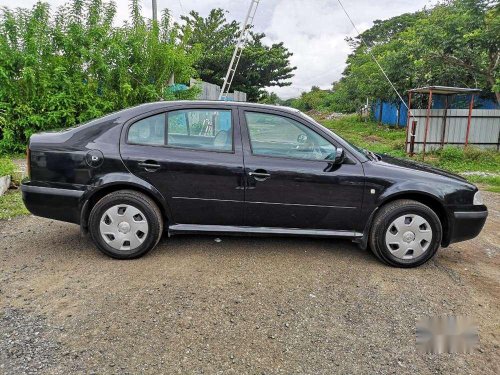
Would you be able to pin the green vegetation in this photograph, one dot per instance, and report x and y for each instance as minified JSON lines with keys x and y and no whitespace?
{"x":369,"y":135}
{"x":7,"y":167}
{"x":390,"y":140}
{"x":259,"y":65}
{"x":455,"y":43}
{"x":63,"y":67}
{"x":59,"y":69}
{"x":11,"y":205}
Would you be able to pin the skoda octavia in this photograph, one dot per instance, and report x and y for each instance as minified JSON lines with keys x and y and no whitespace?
{"x":241,"y":168}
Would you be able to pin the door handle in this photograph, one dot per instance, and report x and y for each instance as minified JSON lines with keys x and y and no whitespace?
{"x":259,"y":175}
{"x":150,"y":165}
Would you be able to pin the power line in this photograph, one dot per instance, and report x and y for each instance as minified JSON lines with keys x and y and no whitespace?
{"x":182,"y":8}
{"x":374,"y":59}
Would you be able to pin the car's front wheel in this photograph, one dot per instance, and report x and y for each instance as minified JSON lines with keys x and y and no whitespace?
{"x":125,"y":224}
{"x":405,"y":233}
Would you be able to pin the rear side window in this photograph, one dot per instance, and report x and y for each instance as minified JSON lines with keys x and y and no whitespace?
{"x":204,"y":129}
{"x":148,"y":131}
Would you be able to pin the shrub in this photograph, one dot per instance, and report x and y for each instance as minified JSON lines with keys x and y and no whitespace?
{"x":63,"y":67}
{"x":6,"y":167}
{"x":451,"y":154}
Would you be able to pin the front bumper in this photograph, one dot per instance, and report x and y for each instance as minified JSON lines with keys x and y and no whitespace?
{"x":53,"y":203}
{"x":467,"y":224}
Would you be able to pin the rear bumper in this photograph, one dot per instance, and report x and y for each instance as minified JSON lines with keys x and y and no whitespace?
{"x":52,"y":203}
{"x":467,"y":225}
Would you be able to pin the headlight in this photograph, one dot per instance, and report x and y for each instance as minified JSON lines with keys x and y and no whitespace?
{"x":478,"y":199}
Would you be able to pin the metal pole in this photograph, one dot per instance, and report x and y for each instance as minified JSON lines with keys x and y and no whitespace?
{"x":412,"y":137}
{"x":408,"y":115}
{"x":427,"y":120}
{"x":471,"y":104}
{"x":155,"y":10}
{"x":443,"y":134}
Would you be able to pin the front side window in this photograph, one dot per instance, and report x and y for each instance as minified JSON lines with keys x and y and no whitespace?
{"x":273,"y":135}
{"x":205,"y":129}
{"x":148,"y":131}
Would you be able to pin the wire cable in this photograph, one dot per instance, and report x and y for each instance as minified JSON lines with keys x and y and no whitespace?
{"x":182,"y":8}
{"x":374,"y":59}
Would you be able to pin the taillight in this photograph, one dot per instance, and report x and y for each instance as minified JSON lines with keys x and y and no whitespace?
{"x":28,"y":161}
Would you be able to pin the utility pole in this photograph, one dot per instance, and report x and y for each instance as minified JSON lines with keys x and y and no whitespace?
{"x":238,"y":49}
{"x":155,"y":10}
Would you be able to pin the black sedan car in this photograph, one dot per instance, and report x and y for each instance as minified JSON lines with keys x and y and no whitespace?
{"x":241,"y":168}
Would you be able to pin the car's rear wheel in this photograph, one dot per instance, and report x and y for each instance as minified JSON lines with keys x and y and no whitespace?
{"x":125,"y":224}
{"x":405,"y":233}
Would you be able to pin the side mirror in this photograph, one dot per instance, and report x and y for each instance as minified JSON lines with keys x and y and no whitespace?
{"x":339,"y":156}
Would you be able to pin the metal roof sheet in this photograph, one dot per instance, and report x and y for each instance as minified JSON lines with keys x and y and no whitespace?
{"x":446,"y":90}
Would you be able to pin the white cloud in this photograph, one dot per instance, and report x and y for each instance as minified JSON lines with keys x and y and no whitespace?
{"x":314,"y":30}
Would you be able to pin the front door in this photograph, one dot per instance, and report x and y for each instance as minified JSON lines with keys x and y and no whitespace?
{"x":193,"y":156}
{"x":292,"y":181}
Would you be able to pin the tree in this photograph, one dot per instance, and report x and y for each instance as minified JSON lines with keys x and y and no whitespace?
{"x":267,"y":97}
{"x":260,"y":65}
{"x":456,"y":43}
{"x":61,"y":68}
{"x":460,"y":44}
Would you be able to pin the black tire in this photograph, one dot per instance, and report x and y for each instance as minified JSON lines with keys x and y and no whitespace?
{"x":139,"y":201}
{"x":390,"y":212}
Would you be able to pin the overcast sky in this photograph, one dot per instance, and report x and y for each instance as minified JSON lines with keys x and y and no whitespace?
{"x":314,"y":30}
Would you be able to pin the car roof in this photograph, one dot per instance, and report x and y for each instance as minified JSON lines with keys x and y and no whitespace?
{"x":163,"y":104}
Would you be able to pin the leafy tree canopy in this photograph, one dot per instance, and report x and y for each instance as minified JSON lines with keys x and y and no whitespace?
{"x":61,"y":68}
{"x":456,"y":43}
{"x":260,"y":65}
{"x":65,"y":66}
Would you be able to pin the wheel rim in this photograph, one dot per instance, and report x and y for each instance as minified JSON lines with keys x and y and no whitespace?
{"x":124,"y":227}
{"x":408,"y":237}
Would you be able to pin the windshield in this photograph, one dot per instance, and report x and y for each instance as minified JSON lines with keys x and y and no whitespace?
{"x":361,"y":153}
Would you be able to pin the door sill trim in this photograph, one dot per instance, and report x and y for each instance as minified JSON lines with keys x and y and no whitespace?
{"x":265,"y":231}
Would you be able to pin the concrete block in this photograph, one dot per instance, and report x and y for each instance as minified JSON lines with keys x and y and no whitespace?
{"x":4,"y":184}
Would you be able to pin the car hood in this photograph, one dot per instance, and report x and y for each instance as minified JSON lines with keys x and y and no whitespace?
{"x":410,"y":164}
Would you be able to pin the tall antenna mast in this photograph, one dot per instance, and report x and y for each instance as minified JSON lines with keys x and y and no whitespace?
{"x":238,"y":49}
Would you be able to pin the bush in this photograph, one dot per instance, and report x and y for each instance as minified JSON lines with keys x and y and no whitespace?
{"x":64,"y":67}
{"x":459,"y":159}
{"x":7,"y":167}
{"x":451,"y":154}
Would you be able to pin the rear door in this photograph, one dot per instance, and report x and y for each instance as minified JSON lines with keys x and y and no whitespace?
{"x":193,"y":156}
{"x":292,"y":181}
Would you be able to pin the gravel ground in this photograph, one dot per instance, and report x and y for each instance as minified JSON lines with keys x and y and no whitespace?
{"x":242,"y":305}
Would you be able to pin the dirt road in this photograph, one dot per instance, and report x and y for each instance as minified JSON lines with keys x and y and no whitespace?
{"x":243,"y":305}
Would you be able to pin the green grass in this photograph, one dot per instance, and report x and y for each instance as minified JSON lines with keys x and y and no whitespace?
{"x":369,"y":135}
{"x":11,"y":205}
{"x":7,"y":167}
{"x":493,"y":188}
{"x":391,"y":140}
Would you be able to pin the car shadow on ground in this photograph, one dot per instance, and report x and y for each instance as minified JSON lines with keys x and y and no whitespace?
{"x":62,"y":239}
{"x":263,"y":245}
